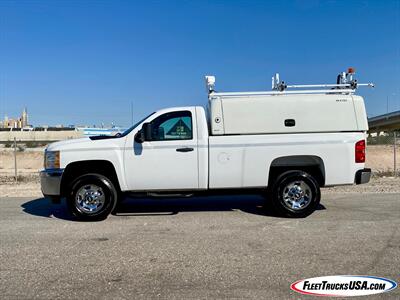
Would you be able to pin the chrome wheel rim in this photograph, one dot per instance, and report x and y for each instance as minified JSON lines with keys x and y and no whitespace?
{"x":297,"y":195}
{"x":90,"y":198}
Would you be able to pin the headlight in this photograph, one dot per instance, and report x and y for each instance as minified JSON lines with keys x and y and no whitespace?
{"x":52,"y":159}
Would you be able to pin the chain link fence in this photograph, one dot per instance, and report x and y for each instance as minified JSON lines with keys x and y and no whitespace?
{"x":20,"y":160}
{"x":383,"y":153}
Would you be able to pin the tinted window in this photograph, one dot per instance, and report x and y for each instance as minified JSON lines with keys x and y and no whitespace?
{"x":175,"y":125}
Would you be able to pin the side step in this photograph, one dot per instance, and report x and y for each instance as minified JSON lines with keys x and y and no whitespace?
{"x":159,"y":195}
{"x":169,"y":195}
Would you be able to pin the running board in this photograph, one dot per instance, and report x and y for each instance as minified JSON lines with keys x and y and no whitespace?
{"x":169,"y":195}
{"x":159,"y":194}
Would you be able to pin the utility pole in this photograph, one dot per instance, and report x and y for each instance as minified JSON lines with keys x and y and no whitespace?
{"x":394,"y":154}
{"x":15,"y":160}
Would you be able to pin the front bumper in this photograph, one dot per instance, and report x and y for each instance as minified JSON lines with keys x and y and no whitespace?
{"x":50,"y":181}
{"x":363,"y":176}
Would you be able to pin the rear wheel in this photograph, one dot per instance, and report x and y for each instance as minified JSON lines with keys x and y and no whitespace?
{"x":92,"y":197}
{"x":295,"y":194}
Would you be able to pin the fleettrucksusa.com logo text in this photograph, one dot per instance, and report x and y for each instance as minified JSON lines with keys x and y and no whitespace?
{"x":343,"y":285}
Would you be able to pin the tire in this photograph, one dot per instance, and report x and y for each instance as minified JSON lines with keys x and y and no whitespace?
{"x":92,"y":197}
{"x":295,"y":194}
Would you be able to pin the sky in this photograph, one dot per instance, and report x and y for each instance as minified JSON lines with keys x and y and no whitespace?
{"x":89,"y":62}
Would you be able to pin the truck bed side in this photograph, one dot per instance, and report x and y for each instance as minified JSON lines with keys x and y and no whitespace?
{"x":242,"y":161}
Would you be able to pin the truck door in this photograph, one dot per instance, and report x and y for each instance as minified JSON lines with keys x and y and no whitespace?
{"x":169,"y":160}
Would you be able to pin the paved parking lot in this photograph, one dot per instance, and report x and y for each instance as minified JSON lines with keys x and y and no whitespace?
{"x":224,"y":247}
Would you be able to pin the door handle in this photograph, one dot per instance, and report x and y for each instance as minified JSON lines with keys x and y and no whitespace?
{"x":184,"y":149}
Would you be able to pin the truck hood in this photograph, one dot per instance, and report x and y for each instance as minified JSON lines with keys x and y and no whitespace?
{"x":68,"y":144}
{"x":87,"y":144}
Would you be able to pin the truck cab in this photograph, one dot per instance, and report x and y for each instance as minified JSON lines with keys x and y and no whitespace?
{"x":168,"y":152}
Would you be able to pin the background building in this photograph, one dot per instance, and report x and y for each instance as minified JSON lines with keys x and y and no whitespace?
{"x":21,"y":122}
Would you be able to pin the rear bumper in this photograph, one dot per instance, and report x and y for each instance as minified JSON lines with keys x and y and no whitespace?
{"x":50,"y":181}
{"x":363,"y":176}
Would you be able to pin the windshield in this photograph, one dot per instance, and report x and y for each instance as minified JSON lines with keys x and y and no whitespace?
{"x":126,"y":132}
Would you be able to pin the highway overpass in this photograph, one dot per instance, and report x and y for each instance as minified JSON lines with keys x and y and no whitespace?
{"x":384,"y":123}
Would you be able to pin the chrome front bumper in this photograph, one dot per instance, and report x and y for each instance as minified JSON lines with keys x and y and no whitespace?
{"x":50,"y":181}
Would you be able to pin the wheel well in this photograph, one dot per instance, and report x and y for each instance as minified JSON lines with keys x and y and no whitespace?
{"x":307,"y":163}
{"x":76,"y":169}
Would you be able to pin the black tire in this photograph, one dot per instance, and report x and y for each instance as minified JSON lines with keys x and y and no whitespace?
{"x":102,"y":195}
{"x":298,"y":204}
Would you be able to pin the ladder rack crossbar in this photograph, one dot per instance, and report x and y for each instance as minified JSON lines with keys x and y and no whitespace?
{"x":341,"y":85}
{"x":243,"y":94}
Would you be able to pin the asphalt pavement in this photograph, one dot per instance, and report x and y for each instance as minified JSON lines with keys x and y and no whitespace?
{"x":210,"y":247}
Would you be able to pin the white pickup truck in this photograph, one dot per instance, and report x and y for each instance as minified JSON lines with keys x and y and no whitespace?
{"x":284,"y":144}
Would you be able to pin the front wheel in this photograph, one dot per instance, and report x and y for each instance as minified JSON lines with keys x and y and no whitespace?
{"x":92,"y":197}
{"x":295,"y":194}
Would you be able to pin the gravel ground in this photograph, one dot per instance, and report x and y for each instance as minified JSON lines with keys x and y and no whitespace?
{"x":376,"y":185}
{"x":27,"y":186}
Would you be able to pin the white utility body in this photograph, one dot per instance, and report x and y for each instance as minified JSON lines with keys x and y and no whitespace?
{"x":283,"y":143}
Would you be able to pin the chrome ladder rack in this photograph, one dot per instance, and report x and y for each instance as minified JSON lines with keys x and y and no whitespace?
{"x":345,"y":84}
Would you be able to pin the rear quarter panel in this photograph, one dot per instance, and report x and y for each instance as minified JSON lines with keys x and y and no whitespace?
{"x":244,"y":160}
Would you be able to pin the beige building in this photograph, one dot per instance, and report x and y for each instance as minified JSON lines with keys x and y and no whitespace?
{"x":21,"y":122}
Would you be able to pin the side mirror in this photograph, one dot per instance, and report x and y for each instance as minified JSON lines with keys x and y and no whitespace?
{"x":144,"y":134}
{"x":147,"y":131}
{"x":139,"y":137}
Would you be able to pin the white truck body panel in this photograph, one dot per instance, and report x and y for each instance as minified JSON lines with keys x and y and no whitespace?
{"x":360,"y":113}
{"x":202,"y":145}
{"x":85,"y":149}
{"x":263,"y":114}
{"x":156,"y":165}
{"x":244,"y":161}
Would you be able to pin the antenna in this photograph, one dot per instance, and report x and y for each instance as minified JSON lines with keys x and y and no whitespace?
{"x":132,"y":112}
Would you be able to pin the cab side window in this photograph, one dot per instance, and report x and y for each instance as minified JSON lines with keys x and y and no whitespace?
{"x":175,"y":125}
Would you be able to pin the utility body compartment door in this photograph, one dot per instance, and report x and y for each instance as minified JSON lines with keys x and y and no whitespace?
{"x":170,"y":160}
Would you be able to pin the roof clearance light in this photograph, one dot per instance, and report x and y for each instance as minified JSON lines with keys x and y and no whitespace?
{"x":351,"y":70}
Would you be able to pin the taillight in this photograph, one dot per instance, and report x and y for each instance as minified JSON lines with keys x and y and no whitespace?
{"x":360,"y":151}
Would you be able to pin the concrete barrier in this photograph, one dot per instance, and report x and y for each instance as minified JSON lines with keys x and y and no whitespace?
{"x":38,"y":136}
